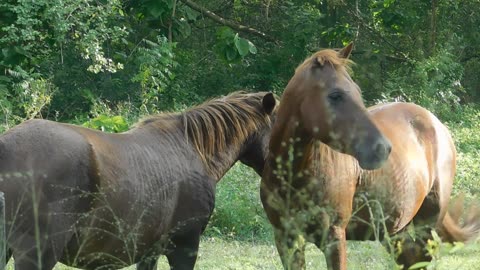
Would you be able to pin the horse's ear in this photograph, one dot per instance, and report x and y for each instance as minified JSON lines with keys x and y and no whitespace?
{"x":268,"y":103}
{"x":345,"y":52}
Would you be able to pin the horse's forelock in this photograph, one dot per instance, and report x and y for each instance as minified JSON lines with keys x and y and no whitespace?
{"x":327,"y":57}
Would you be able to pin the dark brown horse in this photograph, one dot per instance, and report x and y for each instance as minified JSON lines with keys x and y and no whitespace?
{"x":95,"y":200}
{"x":315,"y":178}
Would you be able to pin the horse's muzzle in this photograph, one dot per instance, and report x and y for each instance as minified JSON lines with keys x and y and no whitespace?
{"x":373,"y":156}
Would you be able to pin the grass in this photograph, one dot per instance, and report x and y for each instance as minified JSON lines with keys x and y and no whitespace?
{"x":231,"y":254}
{"x":220,"y":254}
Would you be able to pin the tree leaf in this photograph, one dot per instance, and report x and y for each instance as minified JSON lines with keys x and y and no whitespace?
{"x":242,"y":46}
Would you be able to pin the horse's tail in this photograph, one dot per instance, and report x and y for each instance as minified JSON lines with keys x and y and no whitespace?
{"x":452,"y":230}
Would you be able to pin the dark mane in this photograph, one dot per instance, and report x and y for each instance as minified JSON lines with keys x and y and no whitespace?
{"x":215,"y":124}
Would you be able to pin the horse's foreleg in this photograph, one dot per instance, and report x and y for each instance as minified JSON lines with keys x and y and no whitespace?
{"x":149,"y":263}
{"x":291,"y":248}
{"x":336,"y":249}
{"x":412,"y":250}
{"x":184,"y":249}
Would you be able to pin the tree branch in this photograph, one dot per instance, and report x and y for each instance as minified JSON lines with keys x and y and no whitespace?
{"x":220,"y":20}
{"x":170,"y":24}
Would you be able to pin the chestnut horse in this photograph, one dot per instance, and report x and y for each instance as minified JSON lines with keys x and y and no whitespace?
{"x":329,"y":156}
{"x":95,"y":200}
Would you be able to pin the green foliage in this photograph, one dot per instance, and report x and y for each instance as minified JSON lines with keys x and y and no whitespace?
{"x":27,"y":100}
{"x":434,"y":83}
{"x":105,"y":123}
{"x":154,"y":62}
{"x":437,"y":249}
{"x":34,"y":95}
{"x":230,"y":47}
{"x":163,"y":55}
{"x":90,"y":50}
{"x":419,"y":265}
{"x":464,"y":123}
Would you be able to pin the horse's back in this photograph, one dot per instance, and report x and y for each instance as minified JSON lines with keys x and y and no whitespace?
{"x":422,"y":161}
{"x":408,"y":123}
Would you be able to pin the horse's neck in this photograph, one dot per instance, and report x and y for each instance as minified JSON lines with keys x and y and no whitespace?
{"x":291,"y":147}
{"x":221,"y":162}
{"x":302,"y":154}
{"x":216,"y":165}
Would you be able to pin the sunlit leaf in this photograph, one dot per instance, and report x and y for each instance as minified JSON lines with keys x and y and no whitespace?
{"x":242,"y":46}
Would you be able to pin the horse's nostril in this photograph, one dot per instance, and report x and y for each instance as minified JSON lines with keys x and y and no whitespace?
{"x":389,"y":148}
{"x":382,"y":148}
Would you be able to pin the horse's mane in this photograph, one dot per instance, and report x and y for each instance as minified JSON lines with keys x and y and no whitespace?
{"x":324,"y":57}
{"x":214,"y":126}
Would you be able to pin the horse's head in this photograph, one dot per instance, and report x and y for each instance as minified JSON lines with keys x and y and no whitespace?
{"x":330,"y":108}
{"x":255,"y":148}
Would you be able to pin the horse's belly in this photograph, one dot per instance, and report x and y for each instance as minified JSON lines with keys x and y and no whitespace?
{"x":398,"y":194}
{"x":104,"y":239}
{"x":119,"y":233}
{"x":105,"y":253}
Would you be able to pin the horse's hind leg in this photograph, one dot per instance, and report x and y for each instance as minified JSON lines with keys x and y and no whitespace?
{"x":413,"y":250}
{"x":184,"y":249}
{"x":430,"y":215}
{"x":39,"y":243}
{"x":43,"y":252}
{"x":28,"y":255}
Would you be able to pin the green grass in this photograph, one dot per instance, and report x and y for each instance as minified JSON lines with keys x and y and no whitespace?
{"x":220,"y":254}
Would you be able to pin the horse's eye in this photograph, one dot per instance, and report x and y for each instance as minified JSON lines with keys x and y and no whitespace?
{"x":335,"y":97}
